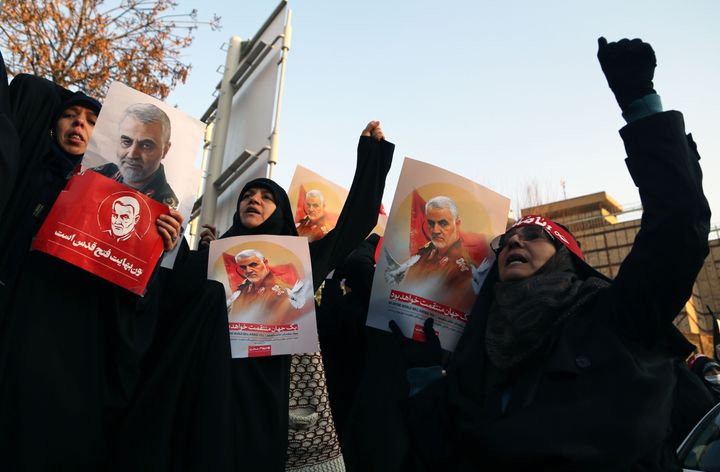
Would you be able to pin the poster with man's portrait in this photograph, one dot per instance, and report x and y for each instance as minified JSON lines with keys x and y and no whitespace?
{"x":147,"y":145}
{"x":104,"y":228}
{"x":435,"y":254}
{"x":269,"y":294}
{"x":317,"y":203}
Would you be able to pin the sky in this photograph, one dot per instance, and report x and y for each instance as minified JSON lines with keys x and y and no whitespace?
{"x":508,"y":94}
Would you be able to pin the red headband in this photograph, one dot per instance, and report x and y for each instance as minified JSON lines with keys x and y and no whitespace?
{"x":555,"y":230}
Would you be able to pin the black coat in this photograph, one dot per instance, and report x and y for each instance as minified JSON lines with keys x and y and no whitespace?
{"x":9,"y":142}
{"x":33,"y":174}
{"x":341,"y":317}
{"x":600,"y":394}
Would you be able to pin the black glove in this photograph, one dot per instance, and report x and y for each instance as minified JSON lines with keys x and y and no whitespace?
{"x":629,"y":67}
{"x":418,"y":354}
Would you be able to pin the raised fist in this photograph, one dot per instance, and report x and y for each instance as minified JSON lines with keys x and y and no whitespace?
{"x":629,"y":67}
{"x":373,"y":129}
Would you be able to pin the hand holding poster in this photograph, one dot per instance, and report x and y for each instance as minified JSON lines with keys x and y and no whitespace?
{"x":105,"y":228}
{"x":268,"y":288}
{"x":435,"y":252}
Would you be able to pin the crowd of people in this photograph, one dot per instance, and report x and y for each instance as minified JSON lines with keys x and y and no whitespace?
{"x":559,"y":367}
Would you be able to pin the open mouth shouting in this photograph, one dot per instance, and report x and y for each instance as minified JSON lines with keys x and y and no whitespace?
{"x":74,"y":138}
{"x":515,"y":259}
{"x":253,"y":210}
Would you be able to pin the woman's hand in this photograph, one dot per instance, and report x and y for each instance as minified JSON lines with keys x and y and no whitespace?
{"x":419,"y":354}
{"x":208,"y":235}
{"x":373,"y":129}
{"x":169,"y":227}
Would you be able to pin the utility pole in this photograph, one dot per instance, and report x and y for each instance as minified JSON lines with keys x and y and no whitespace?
{"x":220,"y":131}
{"x":274,"y":137}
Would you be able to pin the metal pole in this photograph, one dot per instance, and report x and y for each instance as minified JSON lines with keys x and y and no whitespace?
{"x":220,"y":131}
{"x":274,"y":137}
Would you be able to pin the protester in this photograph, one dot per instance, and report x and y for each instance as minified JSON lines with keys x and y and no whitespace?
{"x":560,"y":368}
{"x":45,"y":167}
{"x":77,"y":351}
{"x":47,"y":164}
{"x":708,"y":371}
{"x":265,"y":387}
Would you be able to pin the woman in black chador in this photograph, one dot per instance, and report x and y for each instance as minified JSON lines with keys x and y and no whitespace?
{"x":262,"y":385}
{"x":93,"y":377}
{"x":560,"y":368}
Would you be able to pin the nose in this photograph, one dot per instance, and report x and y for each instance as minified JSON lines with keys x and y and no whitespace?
{"x":514,"y":240}
{"x":79,"y":121}
{"x":134,"y":151}
{"x":255,"y":197}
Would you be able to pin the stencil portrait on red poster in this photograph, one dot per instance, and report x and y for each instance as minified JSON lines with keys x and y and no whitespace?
{"x":105,"y":228}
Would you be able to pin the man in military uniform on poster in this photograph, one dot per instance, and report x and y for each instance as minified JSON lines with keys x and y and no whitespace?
{"x":444,"y":259}
{"x":144,"y":140}
{"x":316,"y":223}
{"x":261,"y":291}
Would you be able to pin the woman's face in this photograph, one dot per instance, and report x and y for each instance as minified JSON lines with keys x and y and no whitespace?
{"x":74,"y":128}
{"x":526,"y":250}
{"x":256,"y":206}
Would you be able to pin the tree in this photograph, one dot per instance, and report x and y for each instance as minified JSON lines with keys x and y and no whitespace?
{"x":89,"y":43}
{"x":533,"y":194}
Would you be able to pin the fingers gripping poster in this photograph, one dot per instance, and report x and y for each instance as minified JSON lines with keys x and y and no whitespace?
{"x":269,"y":294}
{"x":435,"y":253}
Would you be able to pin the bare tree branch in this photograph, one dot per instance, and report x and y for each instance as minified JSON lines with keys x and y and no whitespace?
{"x":90,"y":43}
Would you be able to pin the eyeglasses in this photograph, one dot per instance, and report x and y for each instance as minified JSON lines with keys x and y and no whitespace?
{"x":524,"y":233}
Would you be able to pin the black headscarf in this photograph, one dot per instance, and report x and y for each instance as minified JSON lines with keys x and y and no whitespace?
{"x":279,"y":223}
{"x":47,"y":167}
{"x":524,"y":312}
{"x":77,"y":99}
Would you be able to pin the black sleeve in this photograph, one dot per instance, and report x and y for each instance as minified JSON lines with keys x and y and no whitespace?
{"x":30,"y":102}
{"x":9,"y":142}
{"x":359,"y":268}
{"x":360,"y":212}
{"x":656,"y":278}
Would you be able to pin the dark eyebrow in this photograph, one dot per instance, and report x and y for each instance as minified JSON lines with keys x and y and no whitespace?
{"x":148,"y":141}
{"x":122,"y":137}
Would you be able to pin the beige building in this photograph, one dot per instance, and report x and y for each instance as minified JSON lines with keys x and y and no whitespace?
{"x":606,"y":233}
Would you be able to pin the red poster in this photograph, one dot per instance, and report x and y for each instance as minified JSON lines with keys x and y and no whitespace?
{"x":105,"y":228}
